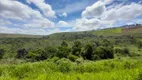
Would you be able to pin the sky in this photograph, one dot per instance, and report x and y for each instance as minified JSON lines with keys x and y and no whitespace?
{"x":44,"y":17}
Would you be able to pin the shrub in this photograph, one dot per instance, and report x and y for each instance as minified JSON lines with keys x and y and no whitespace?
{"x":64,"y":65}
{"x":126,"y":51}
{"x":64,"y":44}
{"x":50,"y":52}
{"x":104,"y":52}
{"x":88,"y":51}
{"x":21,"y":53}
{"x":1,"y":53}
{"x":76,"y":48}
{"x":72,"y":57}
{"x":63,"y":52}
{"x":140,"y":76}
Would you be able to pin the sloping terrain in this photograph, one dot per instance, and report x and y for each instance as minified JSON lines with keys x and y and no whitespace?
{"x":3,"y":35}
{"x":119,"y":31}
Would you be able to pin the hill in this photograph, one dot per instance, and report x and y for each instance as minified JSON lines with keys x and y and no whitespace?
{"x":4,"y":35}
{"x":134,"y":30}
{"x":118,"y":31}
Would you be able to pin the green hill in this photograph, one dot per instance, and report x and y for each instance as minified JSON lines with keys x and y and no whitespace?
{"x":3,"y":35}
{"x":120,"y":31}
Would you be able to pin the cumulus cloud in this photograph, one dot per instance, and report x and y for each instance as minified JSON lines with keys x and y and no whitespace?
{"x":107,"y":1}
{"x":62,"y":24}
{"x":45,"y":8}
{"x":97,"y":9}
{"x":100,"y":16}
{"x":32,"y":31}
{"x":16,"y":10}
{"x":125,"y":12}
{"x":44,"y":23}
{"x":24,"y":18}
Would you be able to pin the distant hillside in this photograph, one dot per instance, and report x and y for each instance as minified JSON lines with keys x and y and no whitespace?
{"x":134,"y":30}
{"x":2,"y":35}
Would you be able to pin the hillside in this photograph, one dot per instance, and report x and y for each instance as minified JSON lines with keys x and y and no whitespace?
{"x":119,"y":31}
{"x":3,"y":35}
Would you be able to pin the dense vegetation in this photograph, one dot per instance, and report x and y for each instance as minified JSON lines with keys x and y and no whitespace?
{"x":92,"y":55}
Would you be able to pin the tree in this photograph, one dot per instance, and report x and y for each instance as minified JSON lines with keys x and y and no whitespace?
{"x":21,"y":53}
{"x":76,"y":48}
{"x":88,"y":51}
{"x":63,"y":50}
{"x":104,"y":52}
{"x":1,"y":53}
{"x":50,"y":52}
{"x":64,"y":44}
{"x":37,"y":55}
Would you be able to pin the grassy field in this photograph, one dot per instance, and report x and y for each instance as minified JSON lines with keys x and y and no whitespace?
{"x":113,"y":69}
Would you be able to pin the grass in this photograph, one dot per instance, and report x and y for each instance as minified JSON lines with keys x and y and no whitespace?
{"x":108,"y":31}
{"x":115,"y":69}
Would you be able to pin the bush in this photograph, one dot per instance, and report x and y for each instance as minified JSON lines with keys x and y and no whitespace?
{"x":72,"y":57}
{"x":104,"y":52}
{"x":1,"y":53}
{"x":88,"y":52}
{"x":37,"y":55}
{"x":76,"y":48}
{"x":64,"y":65}
{"x":50,"y":52}
{"x":21,"y":53}
{"x":124,"y":51}
{"x":140,"y":76}
{"x":63,"y":52}
{"x":64,"y":44}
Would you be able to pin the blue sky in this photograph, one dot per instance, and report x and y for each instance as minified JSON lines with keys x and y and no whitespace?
{"x":43,"y":17}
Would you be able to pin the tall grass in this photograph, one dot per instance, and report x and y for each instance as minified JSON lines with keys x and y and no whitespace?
{"x":63,"y":69}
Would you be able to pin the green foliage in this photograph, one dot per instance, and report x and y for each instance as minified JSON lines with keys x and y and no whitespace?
{"x":37,"y":55}
{"x":123,"y":51}
{"x":21,"y":53}
{"x":104,"y":52}
{"x":2,"y":51}
{"x":88,"y":53}
{"x":63,"y":52}
{"x":72,"y":57}
{"x":76,"y":48}
{"x":50,"y":52}
{"x":64,"y":69}
{"x":64,"y":65}
{"x":139,"y":44}
{"x":140,"y":76}
{"x":64,"y":44}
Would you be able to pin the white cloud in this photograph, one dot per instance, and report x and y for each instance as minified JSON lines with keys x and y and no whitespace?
{"x":105,"y":18}
{"x":62,"y":24}
{"x":125,"y":12}
{"x":44,"y":23}
{"x":64,"y":14}
{"x":97,"y":9}
{"x":4,"y":22}
{"x":32,"y":31}
{"x":16,"y":10}
{"x":23,"y":14}
{"x":45,"y":8}
{"x":107,"y":1}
